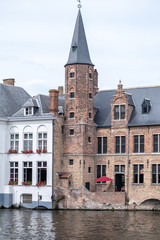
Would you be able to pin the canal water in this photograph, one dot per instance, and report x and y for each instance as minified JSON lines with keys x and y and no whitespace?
{"x":90,"y":225}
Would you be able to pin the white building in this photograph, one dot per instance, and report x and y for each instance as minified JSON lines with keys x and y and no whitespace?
{"x":26,"y":144}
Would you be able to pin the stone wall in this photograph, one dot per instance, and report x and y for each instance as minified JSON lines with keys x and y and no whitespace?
{"x":83,"y":199}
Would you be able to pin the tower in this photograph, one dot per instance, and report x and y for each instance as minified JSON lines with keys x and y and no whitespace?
{"x":81,"y":81}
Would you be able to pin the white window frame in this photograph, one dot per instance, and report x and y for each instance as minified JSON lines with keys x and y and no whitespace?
{"x":27,"y":139}
{"x":43,"y":139}
{"x":14,"y":140}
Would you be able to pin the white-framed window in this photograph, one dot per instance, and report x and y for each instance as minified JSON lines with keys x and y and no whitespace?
{"x":27,"y":172}
{"x":28,"y":111}
{"x":42,"y":172}
{"x":14,"y":171}
{"x":42,"y":140}
{"x":14,"y":141}
{"x":27,"y":141}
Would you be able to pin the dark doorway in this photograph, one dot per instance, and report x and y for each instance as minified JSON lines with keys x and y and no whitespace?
{"x":87,"y":185}
{"x":119,"y":182}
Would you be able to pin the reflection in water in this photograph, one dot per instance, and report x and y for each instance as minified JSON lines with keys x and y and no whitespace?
{"x":91,"y":225}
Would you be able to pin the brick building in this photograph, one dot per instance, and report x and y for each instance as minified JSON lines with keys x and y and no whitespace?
{"x":114,"y":133}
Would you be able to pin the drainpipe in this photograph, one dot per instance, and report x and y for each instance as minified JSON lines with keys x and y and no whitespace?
{"x":128,"y":162}
{"x":52,"y":197}
{"x":95,"y":143}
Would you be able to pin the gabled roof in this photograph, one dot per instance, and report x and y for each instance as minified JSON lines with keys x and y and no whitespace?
{"x":79,"y":53}
{"x":41,"y":102}
{"x":31,"y":103}
{"x":11,"y":99}
{"x":136,"y":96}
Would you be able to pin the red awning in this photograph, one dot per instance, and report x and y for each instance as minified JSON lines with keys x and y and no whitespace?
{"x":103,"y":179}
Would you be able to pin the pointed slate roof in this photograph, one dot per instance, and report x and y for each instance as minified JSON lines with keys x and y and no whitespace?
{"x":79,"y":53}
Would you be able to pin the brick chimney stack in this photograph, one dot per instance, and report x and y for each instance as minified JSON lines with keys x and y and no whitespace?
{"x":9,"y":81}
{"x":53,"y":101}
{"x":60,"y":90}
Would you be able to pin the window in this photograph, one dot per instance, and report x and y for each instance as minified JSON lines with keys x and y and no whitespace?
{"x":14,"y":171}
{"x":27,"y":171}
{"x":102,"y":145}
{"x":139,"y":144}
{"x":119,"y":112}
{"x":119,"y":168}
{"x":156,"y":143}
{"x":71,"y":132}
{"x":138,"y":173}
{"x":27,"y":198}
{"x":28,"y":141}
{"x":89,"y":139}
{"x":146,"y":106}
{"x":90,"y":75}
{"x":156,"y":173}
{"x":89,"y":169}
{"x":71,"y":115}
{"x":90,"y":115}
{"x":42,"y":171}
{"x":72,"y":75}
{"x":90,"y":95}
{"x":120,"y":144}
{"x":71,"y":94}
{"x":42,"y":141}
{"x":29,"y":111}
{"x":101,"y":171}
{"x":14,"y":141}
{"x":70,"y":161}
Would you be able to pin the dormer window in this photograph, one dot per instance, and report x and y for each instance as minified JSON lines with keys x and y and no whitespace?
{"x":146,"y":106}
{"x":28,"y":111}
{"x":119,"y":112}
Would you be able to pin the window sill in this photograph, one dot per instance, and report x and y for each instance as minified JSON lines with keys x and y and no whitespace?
{"x":138,"y":184}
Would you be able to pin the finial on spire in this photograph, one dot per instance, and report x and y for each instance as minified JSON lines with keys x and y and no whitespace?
{"x":120,"y":86}
{"x":79,"y":5}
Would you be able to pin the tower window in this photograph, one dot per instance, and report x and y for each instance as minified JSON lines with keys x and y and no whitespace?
{"x":71,"y":114}
{"x":71,"y":132}
{"x":72,"y":75}
{"x":90,"y":115}
{"x":70,"y":161}
{"x":90,"y":75}
{"x":71,"y":94}
{"x":89,"y":139}
{"x":90,"y":95}
{"x":89,"y":169}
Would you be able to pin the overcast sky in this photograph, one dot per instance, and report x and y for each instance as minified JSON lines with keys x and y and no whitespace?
{"x":123,"y":38}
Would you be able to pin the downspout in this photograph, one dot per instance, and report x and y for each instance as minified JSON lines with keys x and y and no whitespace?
{"x":95,"y":164}
{"x":128,"y":162}
{"x":53,"y":196}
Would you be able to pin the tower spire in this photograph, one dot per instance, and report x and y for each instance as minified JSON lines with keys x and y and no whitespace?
{"x":79,"y":53}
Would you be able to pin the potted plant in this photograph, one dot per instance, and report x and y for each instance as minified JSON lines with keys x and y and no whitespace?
{"x":12,"y":151}
{"x":27,"y":151}
{"x":12,"y":182}
{"x":41,"y":183}
{"x":27,"y":183}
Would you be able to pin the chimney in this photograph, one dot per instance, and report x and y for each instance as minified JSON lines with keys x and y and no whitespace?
{"x":53,"y":101}
{"x":9,"y":81}
{"x":60,"y":90}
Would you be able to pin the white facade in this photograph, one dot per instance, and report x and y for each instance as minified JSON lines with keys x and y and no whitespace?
{"x":17,"y":194}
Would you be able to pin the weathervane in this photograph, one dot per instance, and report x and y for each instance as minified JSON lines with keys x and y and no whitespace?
{"x":79,"y":5}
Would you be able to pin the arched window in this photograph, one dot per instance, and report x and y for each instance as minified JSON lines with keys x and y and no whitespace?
{"x":42,"y":138}
{"x":27,"y":138}
{"x":14,"y":139}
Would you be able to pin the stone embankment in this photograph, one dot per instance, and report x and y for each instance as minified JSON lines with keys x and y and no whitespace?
{"x":84,"y":199}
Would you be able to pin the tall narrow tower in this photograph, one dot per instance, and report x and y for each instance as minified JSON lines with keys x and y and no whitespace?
{"x":80,"y":85}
